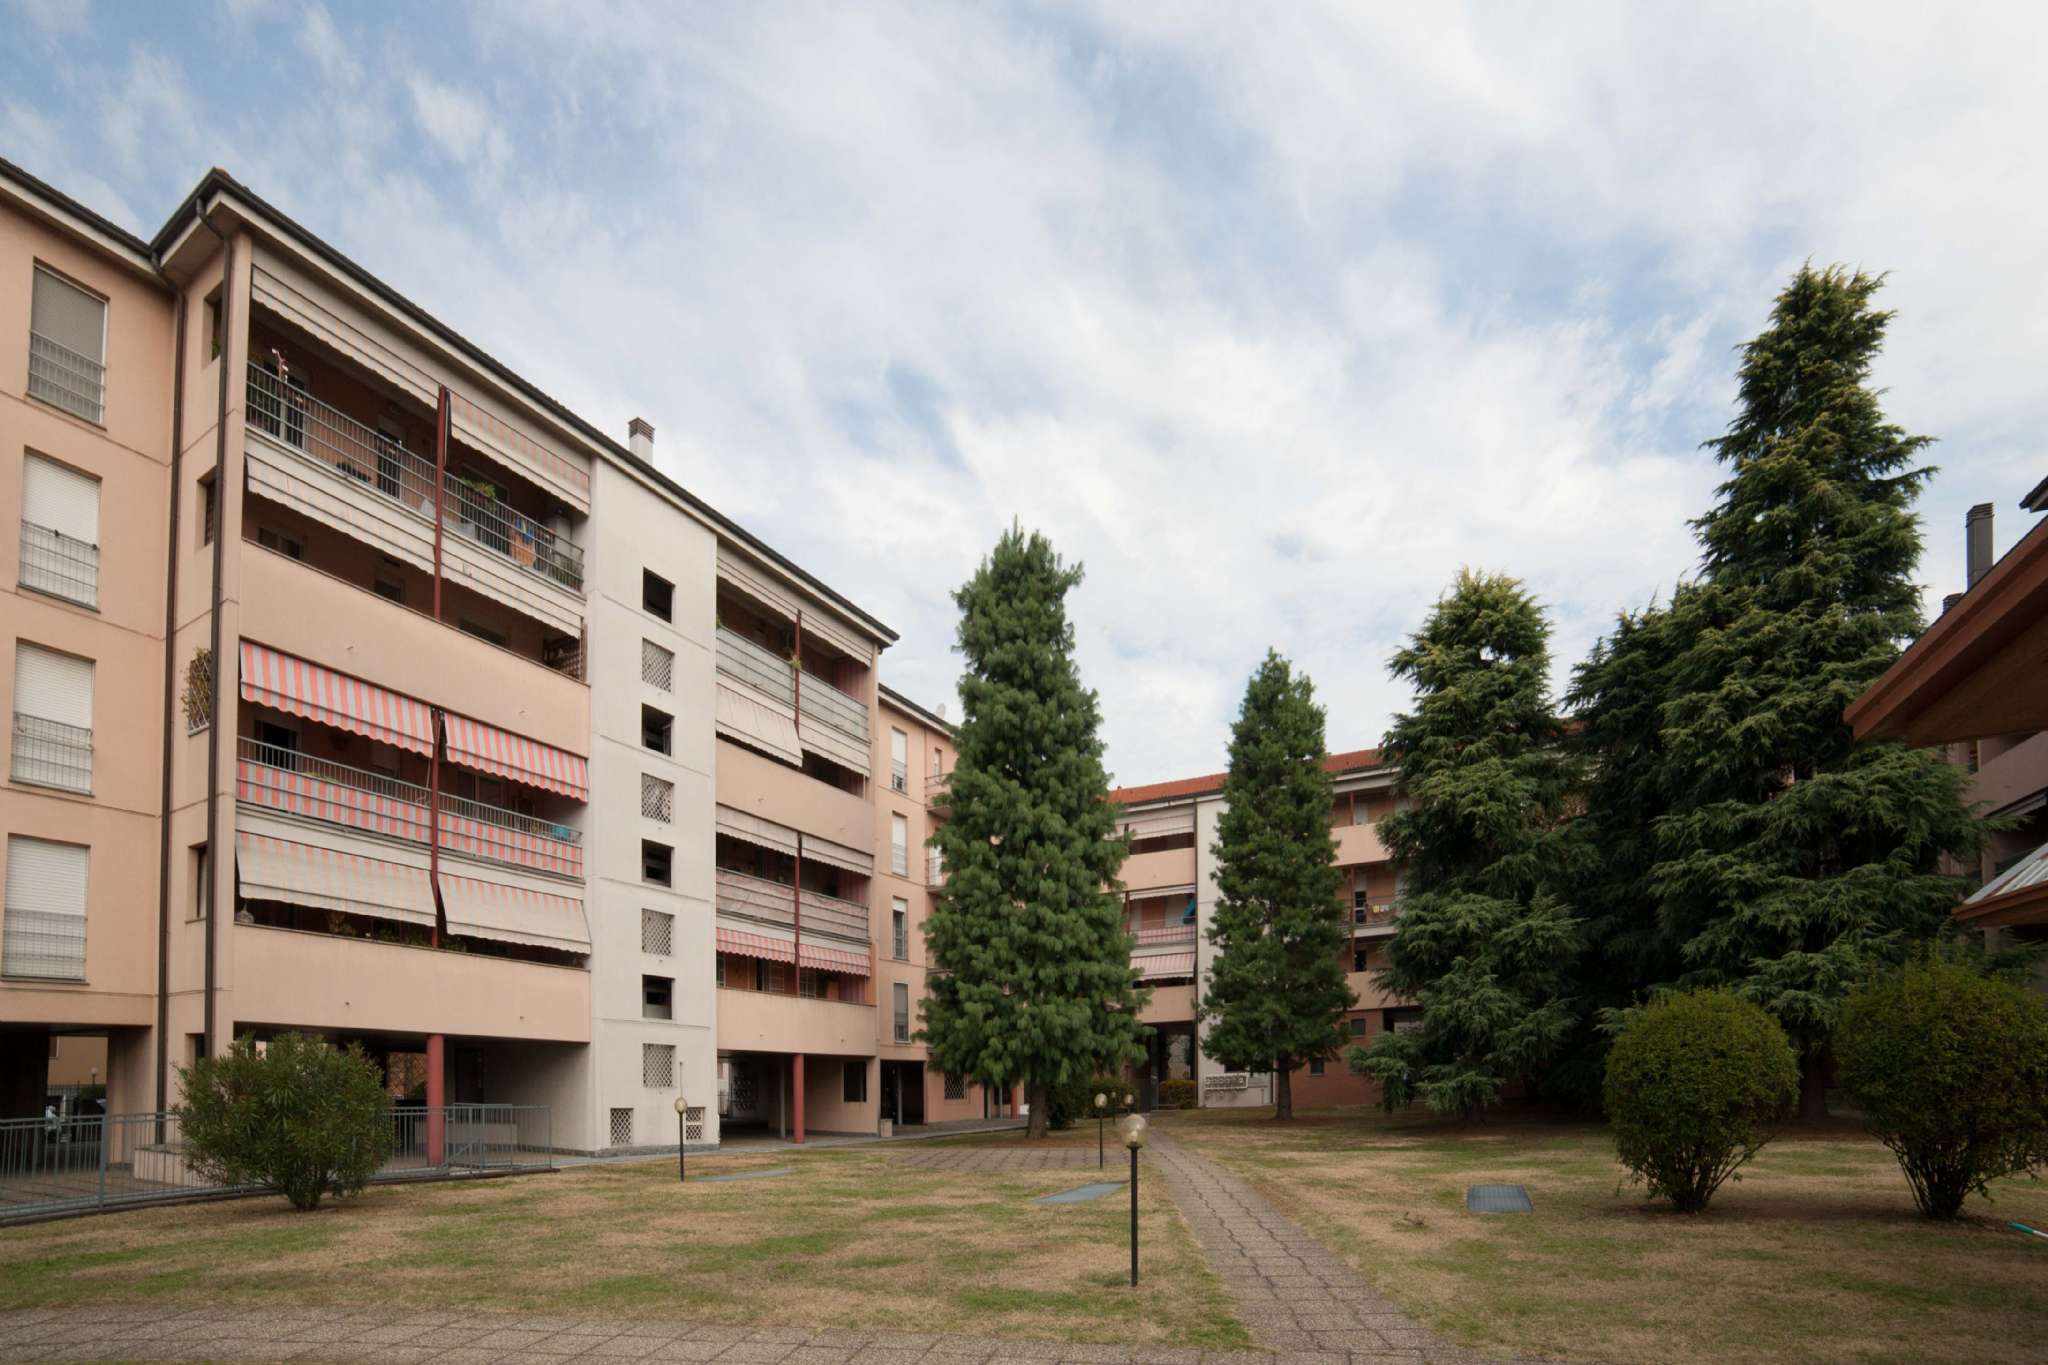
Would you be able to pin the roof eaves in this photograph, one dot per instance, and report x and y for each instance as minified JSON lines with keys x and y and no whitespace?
{"x":63,"y":205}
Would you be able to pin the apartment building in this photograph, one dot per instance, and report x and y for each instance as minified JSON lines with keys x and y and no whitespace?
{"x":1170,"y":900}
{"x":362,"y":689}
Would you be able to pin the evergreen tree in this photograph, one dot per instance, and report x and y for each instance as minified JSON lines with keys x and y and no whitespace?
{"x":1276,"y":995}
{"x":1484,"y":942}
{"x":1745,"y":839}
{"x":1037,"y":983}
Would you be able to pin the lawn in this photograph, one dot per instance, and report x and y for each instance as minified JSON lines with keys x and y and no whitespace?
{"x":1817,"y":1254}
{"x":857,"y":1238}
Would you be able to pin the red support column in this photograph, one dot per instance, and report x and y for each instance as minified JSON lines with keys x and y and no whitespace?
{"x":1016,"y":1099}
{"x":797,"y":1084}
{"x":437,"y":1097}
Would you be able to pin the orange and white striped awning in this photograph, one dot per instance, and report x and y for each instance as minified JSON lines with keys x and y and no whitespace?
{"x":514,"y":914}
{"x":1158,"y":966}
{"x":288,"y":683}
{"x":755,"y":945}
{"x":841,"y":960}
{"x":329,"y":879}
{"x":488,"y":749}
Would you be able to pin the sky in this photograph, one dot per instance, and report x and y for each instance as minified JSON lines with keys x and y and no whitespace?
{"x":1273,"y":317}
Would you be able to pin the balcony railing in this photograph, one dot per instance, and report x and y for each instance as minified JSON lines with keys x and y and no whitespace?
{"x":66,"y":379}
{"x":1374,"y":916}
{"x":322,"y":432}
{"x":57,"y":564}
{"x":820,"y":701}
{"x":299,"y":784}
{"x":50,"y":753}
{"x":1172,"y":933}
{"x":773,"y":902}
{"x":761,"y":669}
{"x":934,"y":867}
{"x":899,"y":776}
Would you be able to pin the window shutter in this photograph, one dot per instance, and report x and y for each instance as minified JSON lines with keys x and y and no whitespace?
{"x":59,"y":499}
{"x":44,"y":932}
{"x":899,"y":748}
{"x":69,"y":316}
{"x":52,"y":686}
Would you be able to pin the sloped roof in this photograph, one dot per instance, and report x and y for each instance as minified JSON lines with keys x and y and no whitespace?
{"x":1350,"y":761}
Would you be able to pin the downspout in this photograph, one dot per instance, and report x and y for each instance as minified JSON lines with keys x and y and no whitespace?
{"x":163,"y":883}
{"x":215,"y":854}
{"x":437,"y":1044}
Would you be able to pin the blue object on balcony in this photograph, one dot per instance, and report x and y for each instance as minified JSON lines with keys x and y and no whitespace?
{"x":1188,"y":917}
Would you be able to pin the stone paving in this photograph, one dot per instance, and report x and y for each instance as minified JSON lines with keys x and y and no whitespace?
{"x":1016,"y":1159}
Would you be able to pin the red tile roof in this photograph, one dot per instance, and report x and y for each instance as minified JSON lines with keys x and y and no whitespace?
{"x":1350,"y":761}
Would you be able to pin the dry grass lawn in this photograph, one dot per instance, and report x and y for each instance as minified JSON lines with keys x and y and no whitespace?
{"x":1817,"y":1255}
{"x":857,"y":1238}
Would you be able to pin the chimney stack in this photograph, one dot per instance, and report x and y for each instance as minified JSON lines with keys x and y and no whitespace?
{"x":1977,"y":541}
{"x":640,"y":436}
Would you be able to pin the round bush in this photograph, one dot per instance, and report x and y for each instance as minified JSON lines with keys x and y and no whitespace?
{"x":1950,"y":1069}
{"x":1179,"y":1095}
{"x":299,"y":1115}
{"x":1695,"y":1085}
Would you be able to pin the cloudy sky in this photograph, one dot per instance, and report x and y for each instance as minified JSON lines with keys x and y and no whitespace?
{"x":1274,"y":316}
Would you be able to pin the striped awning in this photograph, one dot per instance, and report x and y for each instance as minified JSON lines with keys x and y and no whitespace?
{"x":755,"y":945}
{"x":1159,"y":966}
{"x":514,"y":914}
{"x":838,"y":855}
{"x":271,"y":678}
{"x":328,"y":879}
{"x":738,"y":824}
{"x":834,"y":960}
{"x":488,"y":749}
{"x":1156,"y":824}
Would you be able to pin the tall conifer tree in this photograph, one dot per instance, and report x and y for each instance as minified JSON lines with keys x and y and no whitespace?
{"x":1276,"y":995}
{"x":1037,"y":985}
{"x":1744,"y":838}
{"x":1483,"y":939}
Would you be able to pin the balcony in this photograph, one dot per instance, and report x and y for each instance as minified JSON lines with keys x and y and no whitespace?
{"x":65,"y":379}
{"x":1359,"y":844}
{"x":379,"y":465}
{"x":762,"y":901}
{"x":937,"y":787}
{"x":1172,"y":933}
{"x":49,"y":753}
{"x":934,"y":868}
{"x":284,"y":780}
{"x":1379,"y":916}
{"x":59,"y":565}
{"x":767,"y":1021}
{"x":1166,"y":868}
{"x":820,"y":702}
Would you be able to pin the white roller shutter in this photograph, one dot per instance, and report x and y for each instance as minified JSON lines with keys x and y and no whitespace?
{"x":52,"y":686}
{"x":63,"y":500}
{"x":69,"y":316}
{"x":44,"y":932}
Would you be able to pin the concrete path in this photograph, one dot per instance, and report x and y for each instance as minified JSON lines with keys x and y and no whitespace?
{"x":1017,"y":1159}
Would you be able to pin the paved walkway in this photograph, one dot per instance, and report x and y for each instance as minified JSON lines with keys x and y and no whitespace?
{"x":1016,"y":1159}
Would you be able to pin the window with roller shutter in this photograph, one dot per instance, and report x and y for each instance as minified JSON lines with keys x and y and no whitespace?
{"x":42,"y":935}
{"x":60,"y":531}
{"x":52,"y":731}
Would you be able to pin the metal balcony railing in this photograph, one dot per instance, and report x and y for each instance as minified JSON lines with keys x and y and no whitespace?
{"x":759,"y":668}
{"x":57,"y":564}
{"x":66,"y":379}
{"x":1172,"y":933}
{"x":820,"y":701}
{"x":1375,"y":915}
{"x":289,"y":414}
{"x":50,"y":753}
{"x":772,"y":902}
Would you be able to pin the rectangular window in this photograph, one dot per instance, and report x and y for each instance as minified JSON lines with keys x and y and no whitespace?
{"x":657,"y":666}
{"x":1360,"y":957}
{"x":1315,"y":1067}
{"x":195,"y":902}
{"x":390,"y":589}
{"x":809,"y":985}
{"x":899,"y":845}
{"x":658,"y":934}
{"x":899,"y":761}
{"x":60,"y":531}
{"x":43,"y":935}
{"x":67,"y":346}
{"x":899,"y":928}
{"x":52,"y":718}
{"x":657,"y":997}
{"x":1360,"y":813}
{"x":899,"y":995}
{"x":657,"y":798}
{"x":209,"y":509}
{"x":854,"y":1083}
{"x":482,"y":630}
{"x":657,"y":729}
{"x":656,"y":862}
{"x":1358,"y":1027}
{"x":956,"y":1087}
{"x":657,"y":595}
{"x":658,"y":1066}
{"x":760,"y":974}
{"x":289,"y":545}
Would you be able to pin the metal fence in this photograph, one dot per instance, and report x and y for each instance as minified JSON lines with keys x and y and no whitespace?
{"x":50,"y":753}
{"x":83,"y":1163}
{"x":60,"y":565}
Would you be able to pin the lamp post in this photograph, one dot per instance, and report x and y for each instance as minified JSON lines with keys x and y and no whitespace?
{"x":682,"y":1140}
{"x":1101,"y":1113}
{"x":1133,"y":1129}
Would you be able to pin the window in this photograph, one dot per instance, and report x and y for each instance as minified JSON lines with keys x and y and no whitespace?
{"x":390,"y":589}
{"x":1359,"y":958}
{"x":484,"y":630}
{"x":289,"y":545}
{"x":854,"y":1083}
{"x":52,"y":718}
{"x":195,"y":899}
{"x":1315,"y":1067}
{"x":657,"y":997}
{"x":43,"y":935}
{"x":657,"y":729}
{"x":658,"y":936}
{"x":899,"y":928}
{"x":808,"y":984}
{"x":899,"y":845}
{"x":657,"y":798}
{"x":60,"y":531}
{"x":1359,"y":903}
{"x":956,"y":1087}
{"x":718,"y":971}
{"x":760,"y":975}
{"x":658,"y":595}
{"x":208,"y":508}
{"x":899,"y":761}
{"x":622,"y":1128}
{"x":655,"y":862}
{"x":657,"y":666}
{"x":213,"y":337}
{"x":67,"y":346}
{"x":658,"y":1066}
{"x":1358,"y":1027}
{"x":899,"y":995}
{"x":1361,"y":814}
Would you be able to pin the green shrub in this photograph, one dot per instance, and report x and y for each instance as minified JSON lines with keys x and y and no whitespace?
{"x":1075,"y":1100}
{"x":1695,"y":1084}
{"x":297,"y":1115}
{"x":1179,"y":1094}
{"x":1950,"y":1069}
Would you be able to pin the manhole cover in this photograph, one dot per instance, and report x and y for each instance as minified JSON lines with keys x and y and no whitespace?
{"x":1498,"y":1199}
{"x":1081,"y":1195}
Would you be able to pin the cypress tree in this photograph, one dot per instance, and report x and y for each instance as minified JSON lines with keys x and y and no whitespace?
{"x":1276,"y":995}
{"x":1747,"y":840}
{"x":1037,"y":984}
{"x":1483,"y":941}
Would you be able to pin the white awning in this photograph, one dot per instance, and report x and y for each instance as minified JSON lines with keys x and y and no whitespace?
{"x":838,"y":855}
{"x":514,"y":914}
{"x":328,"y":879}
{"x":753,"y":829}
{"x":1158,"y":824}
{"x":742,"y":718}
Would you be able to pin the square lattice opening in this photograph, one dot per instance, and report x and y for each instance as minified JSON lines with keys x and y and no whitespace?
{"x":622,"y":1128}
{"x":658,"y":1065}
{"x":657,"y":932}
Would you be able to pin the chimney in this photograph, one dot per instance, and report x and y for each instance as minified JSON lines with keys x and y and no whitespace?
{"x":1977,"y":539}
{"x":640,"y":435}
